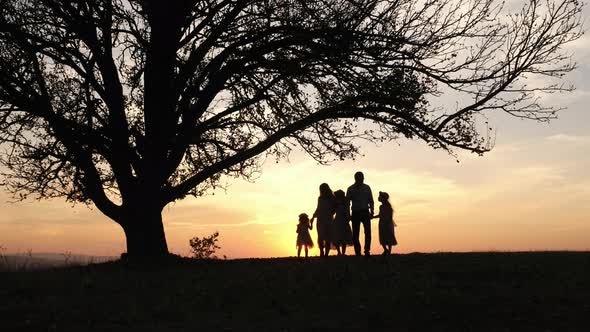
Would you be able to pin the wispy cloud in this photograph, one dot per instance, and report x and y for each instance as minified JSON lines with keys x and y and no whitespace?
{"x":569,"y":138}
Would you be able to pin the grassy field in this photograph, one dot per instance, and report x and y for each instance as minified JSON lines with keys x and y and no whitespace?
{"x":545,"y":291}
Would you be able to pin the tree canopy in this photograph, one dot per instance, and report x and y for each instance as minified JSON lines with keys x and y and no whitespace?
{"x":137,"y":103}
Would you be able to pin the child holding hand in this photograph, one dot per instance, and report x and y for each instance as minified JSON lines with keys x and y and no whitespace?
{"x":303,"y":237}
{"x":386,"y":224}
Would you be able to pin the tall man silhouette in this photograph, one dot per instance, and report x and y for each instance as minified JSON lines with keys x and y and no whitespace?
{"x":362,"y":206}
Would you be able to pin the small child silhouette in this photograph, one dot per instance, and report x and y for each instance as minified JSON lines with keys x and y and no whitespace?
{"x":303,"y":237}
{"x":386,"y":224}
{"x":342,"y":235}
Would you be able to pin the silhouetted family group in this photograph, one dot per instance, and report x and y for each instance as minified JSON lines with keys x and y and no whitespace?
{"x":336,"y":210}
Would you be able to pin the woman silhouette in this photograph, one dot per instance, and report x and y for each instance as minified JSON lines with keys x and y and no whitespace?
{"x":325,"y":215}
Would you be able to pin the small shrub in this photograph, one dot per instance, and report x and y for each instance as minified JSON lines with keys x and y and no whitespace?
{"x":3,"y":258}
{"x":203,"y":248}
{"x":27,"y":262}
{"x":67,"y":257}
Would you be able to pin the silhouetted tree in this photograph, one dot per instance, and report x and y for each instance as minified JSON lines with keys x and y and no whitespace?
{"x":133,"y":104}
{"x":205,"y":247}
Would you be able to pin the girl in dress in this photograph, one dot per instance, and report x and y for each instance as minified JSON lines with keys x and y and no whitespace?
{"x":342,"y":235}
{"x":386,"y":224}
{"x":303,"y":237}
{"x":325,"y":214}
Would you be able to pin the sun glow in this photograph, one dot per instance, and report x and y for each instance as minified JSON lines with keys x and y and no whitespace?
{"x":479,"y":204}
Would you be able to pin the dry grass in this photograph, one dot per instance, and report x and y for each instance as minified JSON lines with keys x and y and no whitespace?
{"x":29,"y":261}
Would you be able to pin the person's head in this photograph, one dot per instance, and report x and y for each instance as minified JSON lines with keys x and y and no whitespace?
{"x":383,"y":197}
{"x":359,"y":177}
{"x":340,"y":196}
{"x":303,"y":218}
{"x":325,"y":190}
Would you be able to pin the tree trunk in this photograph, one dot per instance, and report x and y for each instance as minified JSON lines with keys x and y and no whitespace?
{"x":144,"y":231}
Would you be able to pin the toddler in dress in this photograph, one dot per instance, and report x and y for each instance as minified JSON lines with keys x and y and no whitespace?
{"x":303,"y":237}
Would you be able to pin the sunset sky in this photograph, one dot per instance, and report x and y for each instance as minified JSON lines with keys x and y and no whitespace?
{"x":532,"y":192}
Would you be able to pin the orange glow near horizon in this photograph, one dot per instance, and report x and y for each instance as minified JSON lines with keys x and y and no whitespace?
{"x":477,"y":205}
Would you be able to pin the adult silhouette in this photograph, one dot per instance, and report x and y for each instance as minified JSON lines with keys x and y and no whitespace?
{"x":325,"y":215}
{"x":361,"y":199}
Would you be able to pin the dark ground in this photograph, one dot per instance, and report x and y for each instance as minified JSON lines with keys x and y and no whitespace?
{"x":545,"y":291}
